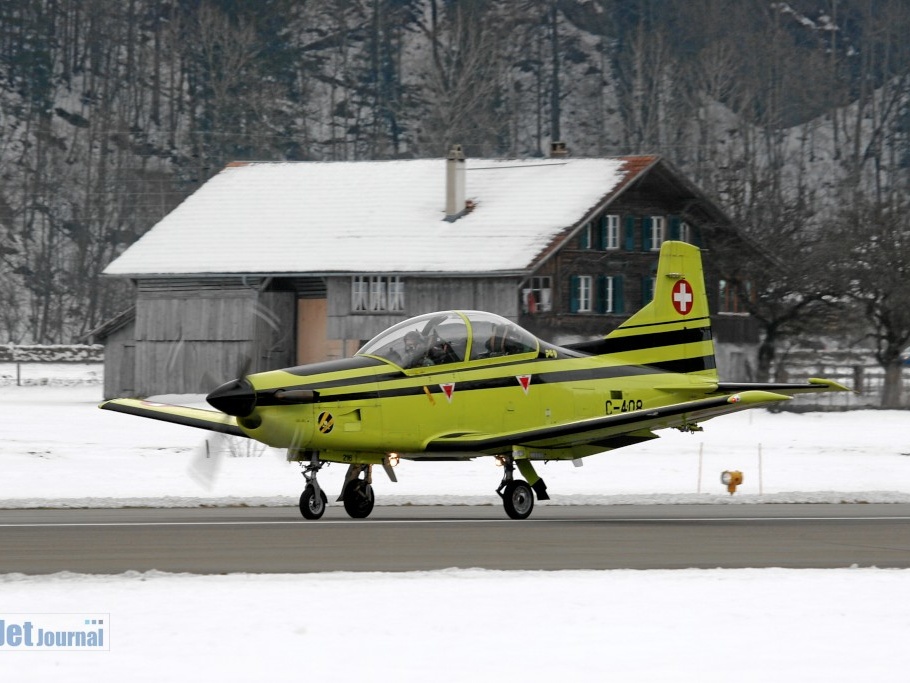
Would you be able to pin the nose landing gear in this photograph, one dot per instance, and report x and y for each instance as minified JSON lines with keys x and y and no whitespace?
{"x":518,"y":495}
{"x":313,"y":499}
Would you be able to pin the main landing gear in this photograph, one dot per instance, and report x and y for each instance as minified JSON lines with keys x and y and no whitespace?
{"x":358,"y":497}
{"x":356,"y":494}
{"x":518,"y":495}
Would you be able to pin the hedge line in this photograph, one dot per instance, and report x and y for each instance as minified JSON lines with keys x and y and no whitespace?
{"x":54,"y":353}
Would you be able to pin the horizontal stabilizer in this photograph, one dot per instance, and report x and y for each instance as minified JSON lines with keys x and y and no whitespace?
{"x":813,"y":385}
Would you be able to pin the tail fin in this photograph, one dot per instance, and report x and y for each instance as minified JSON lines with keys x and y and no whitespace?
{"x":673,"y":331}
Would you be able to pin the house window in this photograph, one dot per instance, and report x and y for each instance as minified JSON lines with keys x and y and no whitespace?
{"x":581,"y":293}
{"x":732,"y":295}
{"x":609,"y":294}
{"x":396,"y":294}
{"x":537,"y":297}
{"x":377,"y":293}
{"x":653,"y":228}
{"x":610,"y":231}
{"x":596,"y":294}
{"x":360,"y":293}
{"x":685,"y":232}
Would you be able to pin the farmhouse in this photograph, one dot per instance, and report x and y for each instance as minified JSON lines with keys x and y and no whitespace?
{"x":274,"y":264}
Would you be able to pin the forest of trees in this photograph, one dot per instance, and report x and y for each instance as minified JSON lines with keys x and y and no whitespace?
{"x":794,"y":115}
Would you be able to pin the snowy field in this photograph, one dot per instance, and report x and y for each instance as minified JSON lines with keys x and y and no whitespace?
{"x":59,"y":450}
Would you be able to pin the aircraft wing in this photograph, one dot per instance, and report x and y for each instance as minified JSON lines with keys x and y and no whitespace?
{"x":609,"y":431}
{"x":181,"y":415}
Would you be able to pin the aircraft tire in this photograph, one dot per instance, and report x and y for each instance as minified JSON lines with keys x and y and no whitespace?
{"x":311,"y":506}
{"x":358,"y":499}
{"x":518,"y":499}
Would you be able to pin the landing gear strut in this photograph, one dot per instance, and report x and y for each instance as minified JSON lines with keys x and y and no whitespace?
{"x":313,"y":499}
{"x":357,"y":494}
{"x":518,"y":495}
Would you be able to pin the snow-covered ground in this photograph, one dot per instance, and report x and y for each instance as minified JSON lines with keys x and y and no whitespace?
{"x":473,"y":625}
{"x":58,"y":449}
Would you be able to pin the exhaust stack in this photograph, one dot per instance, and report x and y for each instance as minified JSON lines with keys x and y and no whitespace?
{"x":455,"y":192}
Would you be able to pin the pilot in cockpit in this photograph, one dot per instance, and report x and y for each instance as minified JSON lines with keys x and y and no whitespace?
{"x":502,"y":342}
{"x":415,"y":350}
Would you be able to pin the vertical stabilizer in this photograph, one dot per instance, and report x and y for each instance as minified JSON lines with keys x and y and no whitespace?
{"x":673,"y":331}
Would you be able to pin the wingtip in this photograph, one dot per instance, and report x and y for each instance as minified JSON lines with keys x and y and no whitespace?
{"x":756,"y":396}
{"x":830,"y":384}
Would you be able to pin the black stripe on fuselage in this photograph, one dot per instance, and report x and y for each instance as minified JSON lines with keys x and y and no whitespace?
{"x":329,"y":366}
{"x":679,"y":366}
{"x":642,"y":341}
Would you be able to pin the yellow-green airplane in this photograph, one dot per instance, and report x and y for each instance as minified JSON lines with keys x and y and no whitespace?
{"x":456,"y":385}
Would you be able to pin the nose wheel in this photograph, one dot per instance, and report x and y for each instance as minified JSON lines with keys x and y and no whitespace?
{"x":312,"y":502}
{"x":518,"y":495}
{"x":518,"y":499}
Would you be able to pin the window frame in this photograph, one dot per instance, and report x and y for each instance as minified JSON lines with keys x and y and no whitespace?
{"x":658,"y":232}
{"x":585,"y":293}
{"x":541,"y":288}
{"x":611,"y":240}
{"x":730,"y":299}
{"x":377,"y":294}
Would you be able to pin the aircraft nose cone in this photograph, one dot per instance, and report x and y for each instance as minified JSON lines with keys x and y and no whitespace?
{"x":237,"y":398}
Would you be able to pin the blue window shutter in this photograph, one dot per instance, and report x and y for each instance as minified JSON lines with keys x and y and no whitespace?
{"x":573,"y":299}
{"x":618,"y":306}
{"x":600,"y":305}
{"x":646,"y":224}
{"x":602,"y":233}
{"x":630,"y":233}
{"x":647,"y":290}
{"x":584,"y":238}
{"x":674,"y":227}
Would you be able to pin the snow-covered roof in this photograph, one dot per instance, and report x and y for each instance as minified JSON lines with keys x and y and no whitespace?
{"x":374,"y":216}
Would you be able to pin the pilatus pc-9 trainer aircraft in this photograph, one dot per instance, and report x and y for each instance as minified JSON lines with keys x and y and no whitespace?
{"x":457,"y":385}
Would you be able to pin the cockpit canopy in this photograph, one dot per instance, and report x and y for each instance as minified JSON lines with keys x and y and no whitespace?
{"x":450,"y":337}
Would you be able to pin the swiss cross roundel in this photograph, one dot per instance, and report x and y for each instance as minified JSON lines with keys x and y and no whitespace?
{"x":682,"y":297}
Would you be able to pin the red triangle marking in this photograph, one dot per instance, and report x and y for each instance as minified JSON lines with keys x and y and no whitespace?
{"x":448,"y":389}
{"x":524,"y":381}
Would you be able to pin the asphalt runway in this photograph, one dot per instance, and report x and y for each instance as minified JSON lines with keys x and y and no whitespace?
{"x":223,"y":540}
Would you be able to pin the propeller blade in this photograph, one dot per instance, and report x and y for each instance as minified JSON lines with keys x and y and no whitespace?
{"x":206,"y":462}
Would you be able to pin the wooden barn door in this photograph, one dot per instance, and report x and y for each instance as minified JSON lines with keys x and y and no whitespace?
{"x":312,"y":321}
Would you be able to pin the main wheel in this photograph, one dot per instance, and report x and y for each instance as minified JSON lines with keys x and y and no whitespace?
{"x":518,"y":499}
{"x":358,"y":499}
{"x":311,"y":505}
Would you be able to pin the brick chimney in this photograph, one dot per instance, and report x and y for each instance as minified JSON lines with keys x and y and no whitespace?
{"x":455,"y":172}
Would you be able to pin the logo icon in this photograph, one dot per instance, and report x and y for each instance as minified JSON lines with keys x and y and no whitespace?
{"x":326,"y":422}
{"x":683,"y":297}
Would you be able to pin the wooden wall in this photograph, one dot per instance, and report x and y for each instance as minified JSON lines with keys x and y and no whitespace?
{"x":120,"y":363}
{"x":191,"y":337}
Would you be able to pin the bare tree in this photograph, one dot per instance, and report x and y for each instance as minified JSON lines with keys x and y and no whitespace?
{"x":874,"y":239}
{"x":461,"y":82}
